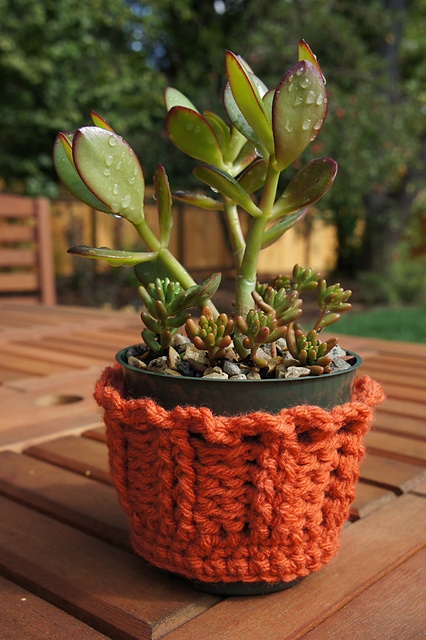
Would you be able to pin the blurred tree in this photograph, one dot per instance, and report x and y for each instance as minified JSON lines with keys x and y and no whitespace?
{"x":374,"y":56}
{"x":58,"y":60}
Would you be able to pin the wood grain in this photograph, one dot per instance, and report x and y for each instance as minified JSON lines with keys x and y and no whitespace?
{"x":24,"y":616}
{"x":82,"y":455}
{"x":381,"y":612}
{"x":114,"y":591}
{"x":77,"y":500}
{"x":397,"y":475}
{"x":370,"y":548}
{"x":397,"y":447}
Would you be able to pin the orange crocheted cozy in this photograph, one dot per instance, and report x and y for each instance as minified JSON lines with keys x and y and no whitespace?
{"x":256,"y":497}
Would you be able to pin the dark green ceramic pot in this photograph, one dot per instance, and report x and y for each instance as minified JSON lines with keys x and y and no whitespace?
{"x":232,"y":397}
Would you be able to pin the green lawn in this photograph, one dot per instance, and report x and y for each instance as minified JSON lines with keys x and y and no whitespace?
{"x":389,"y":323}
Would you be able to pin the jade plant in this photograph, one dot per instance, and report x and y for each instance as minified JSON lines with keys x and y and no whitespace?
{"x":241,"y":162}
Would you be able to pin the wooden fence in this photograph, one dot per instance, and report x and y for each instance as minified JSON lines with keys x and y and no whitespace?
{"x":198,"y":239}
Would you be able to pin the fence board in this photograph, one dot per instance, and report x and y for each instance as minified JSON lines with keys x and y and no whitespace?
{"x":198,"y":239}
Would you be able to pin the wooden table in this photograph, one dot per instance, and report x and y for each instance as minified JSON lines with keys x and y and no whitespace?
{"x":66,"y":567}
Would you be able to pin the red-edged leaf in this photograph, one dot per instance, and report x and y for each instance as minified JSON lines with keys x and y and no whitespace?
{"x":99,"y":122}
{"x":305,"y":53}
{"x":191,"y":133}
{"x":246,"y":94}
{"x":198,"y":200}
{"x":228,"y":186}
{"x":298,"y":112}
{"x":163,"y":198}
{"x":306,"y":187}
{"x":110,"y":169}
{"x":67,"y":173}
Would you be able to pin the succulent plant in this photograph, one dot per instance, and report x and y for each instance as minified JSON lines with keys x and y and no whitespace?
{"x":211,"y":333}
{"x":242,"y":163}
{"x":167,"y":308}
{"x":258,"y":328}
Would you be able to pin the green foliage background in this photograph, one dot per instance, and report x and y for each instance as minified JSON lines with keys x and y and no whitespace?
{"x":60,"y":58}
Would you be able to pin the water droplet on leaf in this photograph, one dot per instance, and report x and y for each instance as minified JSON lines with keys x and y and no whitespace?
{"x":310,"y":98}
{"x":112,"y":141}
{"x":126,"y":200}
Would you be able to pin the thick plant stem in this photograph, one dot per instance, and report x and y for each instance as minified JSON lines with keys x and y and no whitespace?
{"x":246,"y":278}
{"x":174,"y":267}
{"x":236,"y":236}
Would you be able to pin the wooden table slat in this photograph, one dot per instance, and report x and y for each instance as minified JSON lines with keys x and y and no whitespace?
{"x":81,"y":455}
{"x":77,"y":500}
{"x":400,"y":425}
{"x":64,"y":541}
{"x":397,"y":447}
{"x":367,"y":553}
{"x":396,"y":475}
{"x":114,"y":591}
{"x":384,"y":375}
{"x":369,"y":498}
{"x":25,"y":616}
{"x":380,"y":611}
{"x":34,"y":411}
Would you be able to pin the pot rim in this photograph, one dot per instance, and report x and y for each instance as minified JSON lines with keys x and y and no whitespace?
{"x":120,"y":359}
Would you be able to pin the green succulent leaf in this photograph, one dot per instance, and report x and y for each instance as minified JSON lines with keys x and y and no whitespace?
{"x":191,"y":133}
{"x":197,"y":295}
{"x":268,"y":101}
{"x":198,"y":200}
{"x":111,"y":171}
{"x":306,"y":187}
{"x":147,"y":272}
{"x":253,"y":178}
{"x":67,"y":173}
{"x":329,"y":319}
{"x":99,"y":122}
{"x":228,"y":186}
{"x":151,"y":341}
{"x":245,"y":157}
{"x":238,"y":145}
{"x":272,"y":234}
{"x":245,"y":91}
{"x":164,"y":204}
{"x":298,"y":112}
{"x":221,"y":129}
{"x":116,"y":258}
{"x":240,"y":123}
{"x":305,"y":53}
{"x":174,"y":98}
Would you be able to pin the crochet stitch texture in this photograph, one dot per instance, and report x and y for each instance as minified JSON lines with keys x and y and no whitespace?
{"x":255,"y":497}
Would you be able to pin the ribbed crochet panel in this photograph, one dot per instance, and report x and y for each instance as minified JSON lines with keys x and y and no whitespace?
{"x":256,"y":497}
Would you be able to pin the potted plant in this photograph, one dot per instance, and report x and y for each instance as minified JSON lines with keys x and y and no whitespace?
{"x":234,"y":450}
